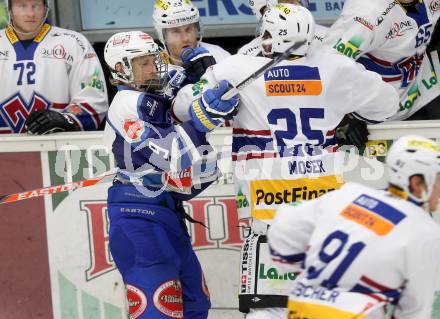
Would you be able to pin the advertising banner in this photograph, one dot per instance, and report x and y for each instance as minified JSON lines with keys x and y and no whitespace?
{"x":113,"y":14}
{"x":85,"y":282}
{"x":55,"y":259}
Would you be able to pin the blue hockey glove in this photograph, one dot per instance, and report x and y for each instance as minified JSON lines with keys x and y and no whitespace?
{"x":218,"y":108}
{"x":175,"y":82}
{"x":195,"y":62}
{"x":209,"y":111}
{"x":201,"y":119}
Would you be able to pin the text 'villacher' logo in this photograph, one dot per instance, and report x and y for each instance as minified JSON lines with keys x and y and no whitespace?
{"x":168,"y":299}
{"x":137,"y":302}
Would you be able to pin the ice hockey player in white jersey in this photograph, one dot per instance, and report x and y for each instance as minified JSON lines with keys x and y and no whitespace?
{"x":360,"y":249}
{"x":179,"y":29}
{"x":283,"y":135}
{"x":258,"y":8}
{"x":159,"y":165}
{"x":390,"y":37}
{"x":178,"y":26}
{"x":52,"y":79}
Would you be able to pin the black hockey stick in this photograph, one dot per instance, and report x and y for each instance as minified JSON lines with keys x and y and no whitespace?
{"x":251,"y":78}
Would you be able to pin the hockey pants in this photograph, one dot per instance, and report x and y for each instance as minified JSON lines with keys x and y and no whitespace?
{"x":152,"y":250}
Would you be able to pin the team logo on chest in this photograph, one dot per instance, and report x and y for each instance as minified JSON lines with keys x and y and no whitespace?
{"x":409,"y":68}
{"x":134,"y":129}
{"x":15,"y":110}
{"x":398,"y":29}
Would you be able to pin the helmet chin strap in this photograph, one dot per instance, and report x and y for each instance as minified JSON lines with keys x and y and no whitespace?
{"x":37,"y":29}
{"x":176,"y":61}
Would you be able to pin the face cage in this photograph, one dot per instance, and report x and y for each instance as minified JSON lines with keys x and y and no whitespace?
{"x":158,"y":83}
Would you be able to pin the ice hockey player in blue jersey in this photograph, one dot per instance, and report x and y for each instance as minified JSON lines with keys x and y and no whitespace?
{"x":159,"y":165}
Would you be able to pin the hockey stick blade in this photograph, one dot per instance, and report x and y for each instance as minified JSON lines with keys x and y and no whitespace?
{"x":251,"y":78}
{"x":5,"y":199}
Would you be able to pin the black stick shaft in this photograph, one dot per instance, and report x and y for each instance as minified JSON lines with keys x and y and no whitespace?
{"x":251,"y":78}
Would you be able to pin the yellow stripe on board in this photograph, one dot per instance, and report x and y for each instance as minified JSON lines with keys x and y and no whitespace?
{"x":301,"y":310}
{"x":263,"y":213}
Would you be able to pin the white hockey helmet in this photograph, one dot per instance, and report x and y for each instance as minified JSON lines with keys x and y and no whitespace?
{"x":283,"y":25}
{"x":123,"y":47}
{"x":257,"y":6}
{"x":413,"y":155}
{"x":174,"y":13}
{"x":304,"y":3}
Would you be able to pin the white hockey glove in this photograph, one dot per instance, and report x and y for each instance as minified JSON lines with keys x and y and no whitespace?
{"x":210,"y":110}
